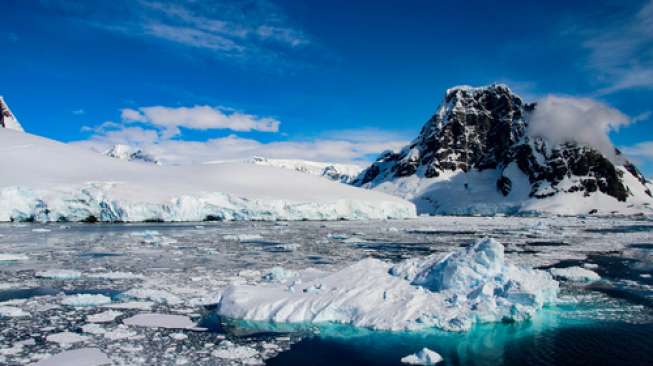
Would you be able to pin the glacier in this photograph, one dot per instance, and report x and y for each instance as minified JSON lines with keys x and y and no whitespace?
{"x":451,"y":292}
{"x":52,"y":181}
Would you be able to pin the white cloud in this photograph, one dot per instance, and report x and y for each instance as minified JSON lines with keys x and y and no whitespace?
{"x":622,"y":54}
{"x":584,"y":120}
{"x":199,"y":118}
{"x":641,"y":150}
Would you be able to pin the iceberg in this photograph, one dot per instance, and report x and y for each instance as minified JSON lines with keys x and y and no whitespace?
{"x":450,"y":292}
{"x":575,"y":274}
{"x":424,"y":357}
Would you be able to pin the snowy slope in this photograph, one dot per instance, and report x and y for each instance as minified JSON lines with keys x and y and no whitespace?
{"x":474,"y":156}
{"x":7,"y":119}
{"x":52,"y":181}
{"x":344,"y":173}
{"x":126,"y":152}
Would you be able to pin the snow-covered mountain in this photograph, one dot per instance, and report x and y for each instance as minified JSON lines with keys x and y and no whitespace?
{"x":126,"y":152}
{"x":474,"y":156}
{"x":344,"y":173}
{"x":53,"y":181}
{"x":7,"y":119}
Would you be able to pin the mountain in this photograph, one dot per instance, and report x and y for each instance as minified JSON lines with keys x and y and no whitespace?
{"x":53,"y":181}
{"x":475,"y":156}
{"x":7,"y":119}
{"x":126,"y":152}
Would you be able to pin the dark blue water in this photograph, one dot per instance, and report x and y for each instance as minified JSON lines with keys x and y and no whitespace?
{"x":575,"y":343}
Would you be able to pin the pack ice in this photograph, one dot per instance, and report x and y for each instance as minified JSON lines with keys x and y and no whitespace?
{"x":450,"y":292}
{"x":52,"y":181}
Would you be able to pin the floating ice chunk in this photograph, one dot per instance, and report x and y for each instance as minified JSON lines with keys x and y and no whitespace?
{"x":242,"y":237}
{"x":590,"y":265}
{"x":59,"y":274}
{"x":116,"y":275}
{"x":13,"y":257}
{"x":66,"y":338}
{"x":86,"y":300}
{"x":228,"y":350}
{"x":131,"y":305}
{"x":77,"y":357}
{"x":279,"y":274}
{"x":178,"y":336}
{"x":41,"y":230}
{"x":451,"y":292}
{"x":287,"y":246}
{"x":103,"y":317}
{"x":93,"y":328}
{"x":576,"y":274}
{"x":167,"y":321}
{"x":121,"y":332}
{"x":13,"y":312}
{"x":424,"y":357}
{"x":158,"y":296}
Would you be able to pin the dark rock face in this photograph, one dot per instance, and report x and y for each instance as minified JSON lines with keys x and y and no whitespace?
{"x":486,"y":128}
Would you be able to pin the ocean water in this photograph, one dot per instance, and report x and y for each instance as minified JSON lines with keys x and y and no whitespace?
{"x":605,"y":323}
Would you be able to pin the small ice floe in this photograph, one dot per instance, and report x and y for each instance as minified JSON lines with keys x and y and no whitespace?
{"x":12,"y":257}
{"x":95,"y":329}
{"x":286,"y":247}
{"x":41,"y":230}
{"x":65,"y":338}
{"x":77,"y":357}
{"x":159,"y":296}
{"x":337,"y":236}
{"x":590,"y":265}
{"x":279,"y":274}
{"x":13,"y":312}
{"x":121,"y":332}
{"x":59,"y":274}
{"x":242,"y":237}
{"x":167,"y":321}
{"x":178,"y":336}
{"x":131,"y":305}
{"x":86,"y":300}
{"x":645,"y":275}
{"x":116,"y":275}
{"x":103,"y":317}
{"x":424,"y":357}
{"x":575,"y":274}
{"x":229,"y":351}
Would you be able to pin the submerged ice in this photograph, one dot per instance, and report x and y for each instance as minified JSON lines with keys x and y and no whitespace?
{"x":453,"y":292}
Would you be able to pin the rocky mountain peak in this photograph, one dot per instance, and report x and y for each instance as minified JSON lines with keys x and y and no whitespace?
{"x":7,"y":119}
{"x":129,"y":153}
{"x":478,"y":129}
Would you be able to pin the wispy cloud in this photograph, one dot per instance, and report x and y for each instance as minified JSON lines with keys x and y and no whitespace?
{"x":621,"y":54}
{"x":229,"y":29}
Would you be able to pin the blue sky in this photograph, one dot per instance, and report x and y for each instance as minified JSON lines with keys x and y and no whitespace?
{"x":326,"y":80}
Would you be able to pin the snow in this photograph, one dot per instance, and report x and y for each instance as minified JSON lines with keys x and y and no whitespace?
{"x":166,"y":321}
{"x":242,"y":237}
{"x":280,"y":274}
{"x":59,"y":274}
{"x":51,"y":181}
{"x":13,"y":312}
{"x":12,"y":257}
{"x":159,"y":296}
{"x":228,"y":350}
{"x":577,"y":274}
{"x":344,"y":173}
{"x":470,"y":285}
{"x":86,"y":300}
{"x":77,"y":357}
{"x":424,"y":357}
{"x":103,"y":317}
{"x":126,"y":152}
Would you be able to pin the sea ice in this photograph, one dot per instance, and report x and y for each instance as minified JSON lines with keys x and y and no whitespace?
{"x":77,"y":357}
{"x":103,"y":317}
{"x":13,"y":312}
{"x":228,"y":350}
{"x":159,"y":296}
{"x":65,"y":338}
{"x":167,"y":321}
{"x":424,"y":357}
{"x":470,"y":285}
{"x":12,"y":257}
{"x":59,"y":274}
{"x":577,"y":274}
{"x":86,"y":300}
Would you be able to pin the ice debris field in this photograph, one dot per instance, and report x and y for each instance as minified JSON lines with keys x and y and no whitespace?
{"x":423,"y":291}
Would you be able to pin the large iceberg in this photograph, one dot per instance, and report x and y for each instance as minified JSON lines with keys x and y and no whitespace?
{"x":51,"y":181}
{"x":450,"y":292}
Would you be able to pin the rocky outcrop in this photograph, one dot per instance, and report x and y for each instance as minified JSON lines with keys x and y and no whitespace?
{"x":7,"y":119}
{"x":126,"y":152}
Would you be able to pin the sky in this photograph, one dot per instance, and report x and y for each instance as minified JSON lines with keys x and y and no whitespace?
{"x":319,"y":80}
